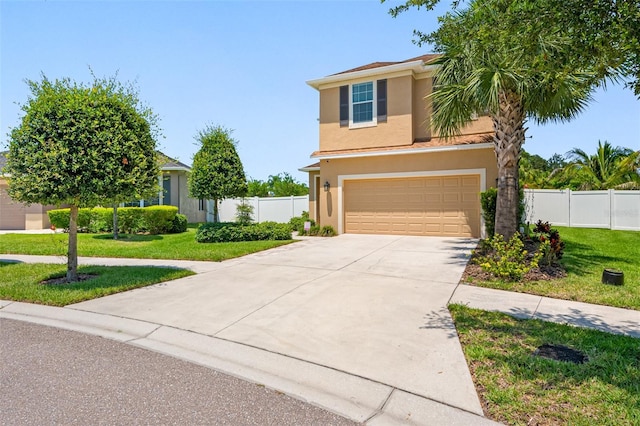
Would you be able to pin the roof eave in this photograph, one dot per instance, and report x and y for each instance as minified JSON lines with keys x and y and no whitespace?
{"x":420,"y":150}
{"x":415,"y":66}
{"x":309,"y":169}
{"x":175,"y":168}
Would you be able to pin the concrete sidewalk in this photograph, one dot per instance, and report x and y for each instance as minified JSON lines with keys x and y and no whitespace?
{"x":529,"y":306}
{"x":357,"y":325}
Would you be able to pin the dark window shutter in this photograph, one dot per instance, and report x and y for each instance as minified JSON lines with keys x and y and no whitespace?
{"x":344,"y":105}
{"x":382,"y":100}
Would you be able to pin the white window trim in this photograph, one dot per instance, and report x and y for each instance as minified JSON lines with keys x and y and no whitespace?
{"x":343,"y":178}
{"x":374,"y":121}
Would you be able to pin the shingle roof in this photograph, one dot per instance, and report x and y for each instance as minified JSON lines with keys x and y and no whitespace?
{"x":166,"y":162}
{"x":473,"y":139}
{"x":426,"y":58}
{"x":311,"y":167}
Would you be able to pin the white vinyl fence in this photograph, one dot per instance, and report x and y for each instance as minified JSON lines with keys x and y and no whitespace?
{"x":586,"y":209}
{"x":276,"y":209}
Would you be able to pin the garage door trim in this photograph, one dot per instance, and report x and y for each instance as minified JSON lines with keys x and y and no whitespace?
{"x":425,"y":173}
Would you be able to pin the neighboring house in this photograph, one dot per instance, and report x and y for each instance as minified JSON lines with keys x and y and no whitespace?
{"x":175,"y":190}
{"x":380,"y":168}
{"x":17,"y":216}
{"x":173,"y":181}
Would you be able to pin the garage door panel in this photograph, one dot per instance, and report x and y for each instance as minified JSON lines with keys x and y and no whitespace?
{"x":446,"y":206}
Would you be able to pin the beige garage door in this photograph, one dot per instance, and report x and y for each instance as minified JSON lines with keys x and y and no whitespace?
{"x":12,"y":214}
{"x":438,"y":206}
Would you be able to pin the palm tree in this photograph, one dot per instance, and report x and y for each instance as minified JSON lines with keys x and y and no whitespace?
{"x":506,"y":58}
{"x":608,"y":168}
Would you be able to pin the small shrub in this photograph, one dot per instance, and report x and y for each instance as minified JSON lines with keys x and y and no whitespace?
{"x":507,"y":259}
{"x":158,"y":219}
{"x":327,"y":231}
{"x":244,"y":213}
{"x":297,"y":223}
{"x":59,"y":218}
{"x":131,"y":220}
{"x":93,"y":220}
{"x":552,"y":247}
{"x":488,"y":201}
{"x":232,"y":232}
{"x":313,"y":231}
{"x":101,"y":220}
{"x":179,"y":224}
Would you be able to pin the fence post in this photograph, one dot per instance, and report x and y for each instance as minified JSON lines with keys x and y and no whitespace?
{"x":611,"y":194}
{"x":569,"y":206}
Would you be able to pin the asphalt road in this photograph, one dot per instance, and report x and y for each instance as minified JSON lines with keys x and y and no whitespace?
{"x":52,"y":376}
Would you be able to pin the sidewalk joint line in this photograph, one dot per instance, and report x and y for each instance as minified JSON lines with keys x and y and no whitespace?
{"x":535,"y":311}
{"x":381,"y":408}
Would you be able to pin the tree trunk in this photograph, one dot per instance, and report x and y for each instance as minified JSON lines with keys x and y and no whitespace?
{"x":508,"y":140}
{"x":216,"y":216}
{"x":115,"y":221}
{"x":72,"y":253}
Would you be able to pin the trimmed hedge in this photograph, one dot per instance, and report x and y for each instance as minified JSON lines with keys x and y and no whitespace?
{"x":131,"y":220}
{"x":222,"y":232}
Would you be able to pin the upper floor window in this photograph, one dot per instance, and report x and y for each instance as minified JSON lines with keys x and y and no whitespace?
{"x":363,"y":104}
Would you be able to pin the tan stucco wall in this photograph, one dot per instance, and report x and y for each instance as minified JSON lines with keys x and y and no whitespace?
{"x":408,"y":118}
{"x":398,"y":130}
{"x":315,"y":189}
{"x":421,"y":109}
{"x":431,"y":162}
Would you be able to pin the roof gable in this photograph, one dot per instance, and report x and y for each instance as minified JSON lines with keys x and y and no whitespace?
{"x":424,"y":58}
{"x":418,"y":65}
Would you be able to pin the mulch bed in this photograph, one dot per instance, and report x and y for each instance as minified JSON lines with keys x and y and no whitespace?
{"x":63,"y":280}
{"x":473,"y":271}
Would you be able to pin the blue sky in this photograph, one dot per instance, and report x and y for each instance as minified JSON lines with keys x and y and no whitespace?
{"x":243,"y":65}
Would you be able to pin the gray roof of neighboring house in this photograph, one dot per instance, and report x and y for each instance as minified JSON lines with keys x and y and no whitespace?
{"x":166,"y":163}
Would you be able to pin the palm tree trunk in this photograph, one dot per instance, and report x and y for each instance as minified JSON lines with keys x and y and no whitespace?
{"x":72,"y":253}
{"x":509,"y":137}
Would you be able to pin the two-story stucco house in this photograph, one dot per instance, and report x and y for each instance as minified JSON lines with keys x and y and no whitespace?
{"x":381,"y":169}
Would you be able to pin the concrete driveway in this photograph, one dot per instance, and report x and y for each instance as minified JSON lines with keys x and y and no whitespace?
{"x":373,"y":307}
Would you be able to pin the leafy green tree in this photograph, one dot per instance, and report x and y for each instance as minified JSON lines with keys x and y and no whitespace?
{"x":257,"y":188}
{"x":280,"y":185}
{"x":536,"y":172}
{"x":283,"y":185}
{"x":609,"y":168}
{"x":81,"y":145}
{"x":217,"y":171}
{"x":556,"y":161}
{"x":504,"y":57}
{"x":599,"y":34}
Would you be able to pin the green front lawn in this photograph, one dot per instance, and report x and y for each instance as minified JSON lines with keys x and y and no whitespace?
{"x":170,"y":246}
{"x":587,"y":253}
{"x":518,"y":388}
{"x":22,"y":282}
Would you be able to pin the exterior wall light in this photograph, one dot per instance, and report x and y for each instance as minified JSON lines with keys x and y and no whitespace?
{"x":327,"y":185}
